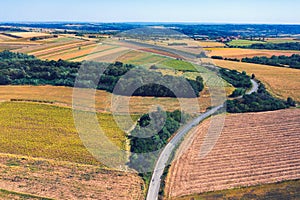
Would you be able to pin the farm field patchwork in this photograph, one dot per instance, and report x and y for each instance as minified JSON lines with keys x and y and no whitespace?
{"x":253,"y":149}
{"x":281,"y":82}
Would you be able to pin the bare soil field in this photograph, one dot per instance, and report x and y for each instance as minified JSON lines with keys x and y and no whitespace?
{"x":281,"y":82}
{"x":65,"y":180}
{"x":253,"y":149}
{"x":242,"y":53}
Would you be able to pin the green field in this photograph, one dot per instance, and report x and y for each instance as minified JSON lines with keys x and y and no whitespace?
{"x":243,"y":42}
{"x":179,"y":65}
{"x":49,"y":132}
{"x":284,"y":190}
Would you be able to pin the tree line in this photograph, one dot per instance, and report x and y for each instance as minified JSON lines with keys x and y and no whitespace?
{"x":281,"y":61}
{"x":272,"y":46}
{"x":22,"y":69}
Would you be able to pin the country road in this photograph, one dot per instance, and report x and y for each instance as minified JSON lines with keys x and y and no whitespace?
{"x":166,"y":153}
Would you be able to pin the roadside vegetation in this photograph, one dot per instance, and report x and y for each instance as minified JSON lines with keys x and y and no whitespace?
{"x":257,"y":102}
{"x":241,"y":81}
{"x":140,"y":142}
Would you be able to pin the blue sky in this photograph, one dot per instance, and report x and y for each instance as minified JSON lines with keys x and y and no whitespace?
{"x":218,"y":11}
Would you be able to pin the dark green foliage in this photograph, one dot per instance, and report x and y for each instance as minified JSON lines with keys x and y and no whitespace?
{"x":142,"y":139}
{"x":232,"y":59}
{"x":281,"y":61}
{"x":217,"y":57}
{"x":160,"y":85}
{"x":291,"y":102}
{"x":256,"y":102}
{"x":238,"y":92}
{"x":274,"y":46}
{"x":237,"y":79}
{"x":21,"y":69}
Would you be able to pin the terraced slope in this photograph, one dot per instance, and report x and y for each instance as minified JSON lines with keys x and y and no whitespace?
{"x":253,"y":149}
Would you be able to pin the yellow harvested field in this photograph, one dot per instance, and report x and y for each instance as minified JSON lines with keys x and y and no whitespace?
{"x":5,"y":38}
{"x":281,"y":82}
{"x":29,"y":34}
{"x":242,"y":53}
{"x":253,"y":149}
{"x":62,"y":96}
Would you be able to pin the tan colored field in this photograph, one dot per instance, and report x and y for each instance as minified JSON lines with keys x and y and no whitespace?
{"x":242,"y":53}
{"x":210,"y":44}
{"x":29,"y":34}
{"x":253,"y":149}
{"x":62,"y":96}
{"x":5,"y":38}
{"x":64,"y":180}
{"x":281,"y":82}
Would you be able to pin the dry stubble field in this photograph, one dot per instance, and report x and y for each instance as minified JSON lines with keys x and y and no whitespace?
{"x":253,"y":149}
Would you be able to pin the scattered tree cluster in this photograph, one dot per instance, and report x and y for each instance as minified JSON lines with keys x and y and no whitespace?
{"x":281,"y":61}
{"x":257,"y":102}
{"x":144,"y":143}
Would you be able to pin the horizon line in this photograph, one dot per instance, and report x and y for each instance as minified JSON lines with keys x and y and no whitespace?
{"x":153,"y":22}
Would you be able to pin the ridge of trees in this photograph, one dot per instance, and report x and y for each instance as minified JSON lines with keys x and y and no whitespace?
{"x":281,"y":61}
{"x":22,"y":69}
{"x":272,"y":46}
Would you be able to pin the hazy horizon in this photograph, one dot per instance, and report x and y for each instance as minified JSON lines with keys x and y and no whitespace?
{"x":176,"y":11}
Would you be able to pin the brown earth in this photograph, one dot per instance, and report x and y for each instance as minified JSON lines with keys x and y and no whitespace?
{"x":64,"y":180}
{"x":253,"y":149}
